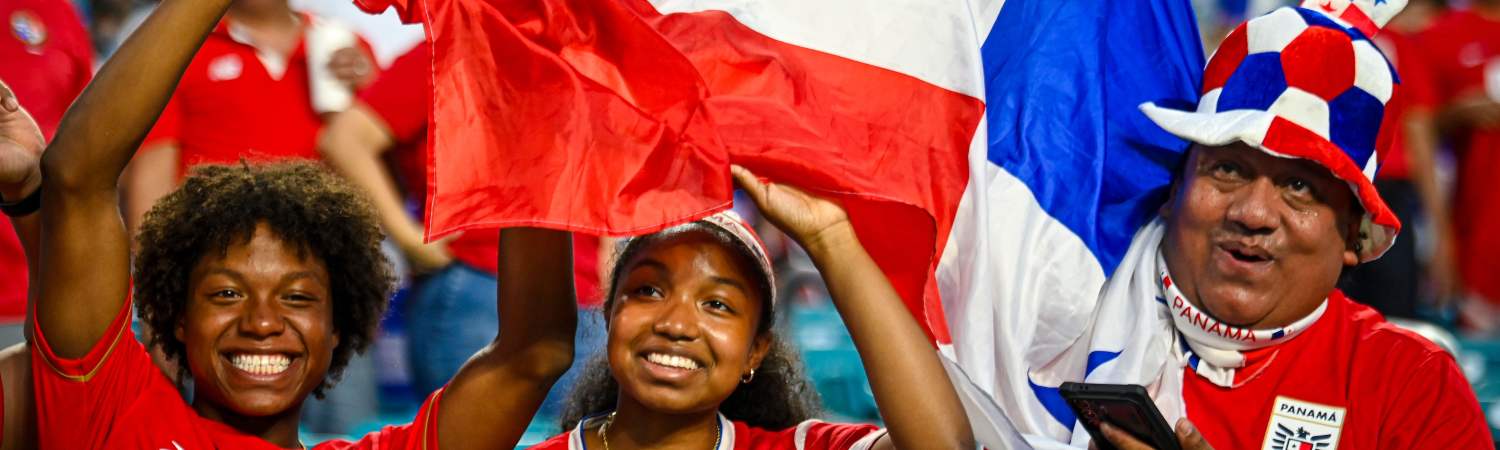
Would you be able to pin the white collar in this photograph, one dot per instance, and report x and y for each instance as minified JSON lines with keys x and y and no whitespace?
{"x":577,"y":442}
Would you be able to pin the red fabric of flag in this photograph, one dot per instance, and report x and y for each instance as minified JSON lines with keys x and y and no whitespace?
{"x":610,"y":118}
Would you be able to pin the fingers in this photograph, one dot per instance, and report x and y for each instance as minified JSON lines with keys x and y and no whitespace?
{"x":1188,"y":436}
{"x":1121,"y":439}
{"x":350,"y":65}
{"x":750,"y":183}
{"x":8,"y":99}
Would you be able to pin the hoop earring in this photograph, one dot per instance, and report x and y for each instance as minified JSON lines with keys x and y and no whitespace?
{"x":745,"y":379}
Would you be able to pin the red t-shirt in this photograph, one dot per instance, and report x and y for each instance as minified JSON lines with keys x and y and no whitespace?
{"x":402,"y":97}
{"x":115,"y":397}
{"x":1351,"y":380}
{"x":232,"y":104}
{"x":1415,"y":92}
{"x":810,"y":435}
{"x":1462,"y":46}
{"x":46,"y":61}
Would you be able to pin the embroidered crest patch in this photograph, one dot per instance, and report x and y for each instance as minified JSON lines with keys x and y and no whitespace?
{"x":1299,"y":425}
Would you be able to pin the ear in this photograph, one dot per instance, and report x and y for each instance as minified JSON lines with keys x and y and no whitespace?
{"x":1352,"y":242}
{"x":178,"y":331}
{"x":759,"y":349}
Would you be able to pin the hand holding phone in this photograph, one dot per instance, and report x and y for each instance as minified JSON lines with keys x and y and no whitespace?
{"x":1126,"y":407}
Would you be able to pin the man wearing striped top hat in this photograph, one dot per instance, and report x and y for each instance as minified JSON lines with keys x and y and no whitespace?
{"x":1226,"y":304}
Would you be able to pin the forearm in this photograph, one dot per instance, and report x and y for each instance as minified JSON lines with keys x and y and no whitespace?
{"x":911,"y":387}
{"x":537,"y":306}
{"x":352,"y":143}
{"x":101,"y":130}
{"x":150,"y":176}
{"x":1421,"y":149}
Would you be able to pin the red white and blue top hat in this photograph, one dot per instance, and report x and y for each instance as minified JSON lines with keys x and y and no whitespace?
{"x":1303,"y":83}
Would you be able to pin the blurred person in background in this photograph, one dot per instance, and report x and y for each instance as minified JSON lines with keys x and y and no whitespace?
{"x":1464,"y":49}
{"x":1408,"y":180}
{"x":246,"y":95}
{"x":452,"y":310}
{"x":46,"y":60}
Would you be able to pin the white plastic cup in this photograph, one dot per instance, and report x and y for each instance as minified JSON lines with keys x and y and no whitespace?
{"x":1492,"y":79}
{"x":323,"y":38}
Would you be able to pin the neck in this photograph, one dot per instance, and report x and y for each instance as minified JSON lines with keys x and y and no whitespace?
{"x":636,"y":426}
{"x":262,"y":14}
{"x":280,"y":430}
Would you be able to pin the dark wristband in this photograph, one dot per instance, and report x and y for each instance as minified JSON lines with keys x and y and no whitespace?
{"x":26,"y":206}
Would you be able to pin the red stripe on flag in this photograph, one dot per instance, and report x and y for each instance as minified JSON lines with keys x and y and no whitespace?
{"x":609,"y":118}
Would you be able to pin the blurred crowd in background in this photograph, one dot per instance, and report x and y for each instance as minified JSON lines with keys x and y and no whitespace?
{"x":251,"y":94}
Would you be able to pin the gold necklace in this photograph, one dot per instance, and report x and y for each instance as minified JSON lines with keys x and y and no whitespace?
{"x":604,"y":431}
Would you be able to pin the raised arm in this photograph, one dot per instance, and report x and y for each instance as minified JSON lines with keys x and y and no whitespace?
{"x":84,"y":267}
{"x":919,"y":405}
{"x":492,"y":398}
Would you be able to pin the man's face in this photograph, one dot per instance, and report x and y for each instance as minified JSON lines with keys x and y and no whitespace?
{"x":1256,"y":240}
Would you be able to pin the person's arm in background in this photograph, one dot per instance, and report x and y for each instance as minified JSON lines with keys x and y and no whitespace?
{"x":151,"y":175}
{"x":1421,"y":145}
{"x":352,"y":142}
{"x":916,"y":400}
{"x":493,"y":396}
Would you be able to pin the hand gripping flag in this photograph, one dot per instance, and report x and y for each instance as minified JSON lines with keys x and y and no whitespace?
{"x":621,"y":117}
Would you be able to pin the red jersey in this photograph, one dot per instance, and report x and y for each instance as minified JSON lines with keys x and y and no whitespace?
{"x":402,"y":97}
{"x":115,"y":397}
{"x":47,"y":62}
{"x":232,"y":103}
{"x":1464,"y":49}
{"x":1350,"y":381}
{"x":1415,"y":93}
{"x":809,"y":435}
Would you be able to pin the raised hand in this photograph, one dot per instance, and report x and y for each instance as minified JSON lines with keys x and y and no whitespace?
{"x":807,"y":218}
{"x":21,"y":145}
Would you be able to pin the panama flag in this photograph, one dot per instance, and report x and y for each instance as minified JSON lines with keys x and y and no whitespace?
{"x":986,"y":150}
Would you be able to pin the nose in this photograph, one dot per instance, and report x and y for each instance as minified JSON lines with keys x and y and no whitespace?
{"x":261,"y":318}
{"x":1253,"y":210}
{"x":678,"y":320}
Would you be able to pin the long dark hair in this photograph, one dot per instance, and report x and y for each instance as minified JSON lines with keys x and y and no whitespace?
{"x":779,"y":396}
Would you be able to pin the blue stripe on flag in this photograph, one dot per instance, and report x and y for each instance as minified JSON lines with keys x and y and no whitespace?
{"x":1098,"y":358}
{"x":1063,"y":83}
{"x":1051,"y":398}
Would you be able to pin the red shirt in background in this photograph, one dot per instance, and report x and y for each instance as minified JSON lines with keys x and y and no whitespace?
{"x":1462,"y":46}
{"x":1414,"y":93}
{"x":46,"y":59}
{"x":232,"y":104}
{"x":1373,"y":384}
{"x":402,"y":97}
{"x":115,"y":397}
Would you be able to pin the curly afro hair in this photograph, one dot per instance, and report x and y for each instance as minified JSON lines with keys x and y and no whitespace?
{"x":778,"y":397}
{"x":303,"y":204}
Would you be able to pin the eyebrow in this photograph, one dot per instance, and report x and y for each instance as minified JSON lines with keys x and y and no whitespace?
{"x":732,"y":283}
{"x":237,"y":276}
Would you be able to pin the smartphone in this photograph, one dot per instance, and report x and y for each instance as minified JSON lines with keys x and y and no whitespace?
{"x":1126,"y":406}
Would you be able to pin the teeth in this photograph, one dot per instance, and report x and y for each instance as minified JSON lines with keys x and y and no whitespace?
{"x":672,"y":361}
{"x":260,"y":364}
